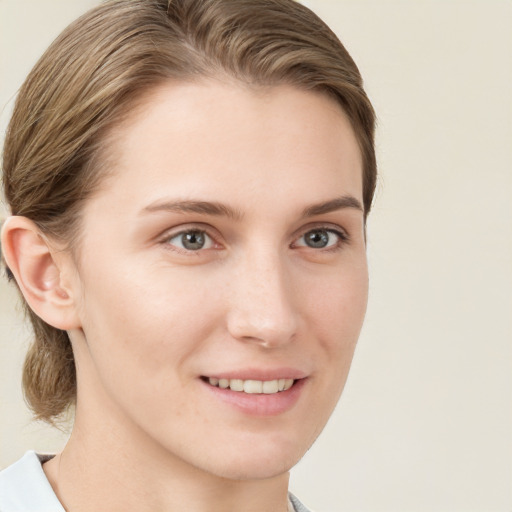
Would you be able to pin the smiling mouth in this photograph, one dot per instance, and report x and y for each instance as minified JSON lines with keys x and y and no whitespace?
{"x":266,"y":387}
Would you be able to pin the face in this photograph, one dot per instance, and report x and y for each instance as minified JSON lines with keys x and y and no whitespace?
{"x":222,"y":277}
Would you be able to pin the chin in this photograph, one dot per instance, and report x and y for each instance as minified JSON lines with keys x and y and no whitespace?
{"x":246,"y":468}
{"x":257,"y":460}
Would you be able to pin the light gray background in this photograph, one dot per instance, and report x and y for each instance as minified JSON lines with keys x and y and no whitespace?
{"x":425,"y":423}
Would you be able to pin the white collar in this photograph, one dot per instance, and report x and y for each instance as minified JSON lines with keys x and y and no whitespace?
{"x":25,"y":488}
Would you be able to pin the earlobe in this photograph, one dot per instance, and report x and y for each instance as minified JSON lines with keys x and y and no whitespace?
{"x":38,"y":273}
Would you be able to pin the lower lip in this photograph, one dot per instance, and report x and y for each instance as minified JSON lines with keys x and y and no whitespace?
{"x":259,"y":404}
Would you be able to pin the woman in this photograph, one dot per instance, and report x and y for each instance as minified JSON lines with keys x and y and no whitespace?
{"x":189,"y":184}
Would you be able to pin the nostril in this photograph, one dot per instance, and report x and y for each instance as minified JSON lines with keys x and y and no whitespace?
{"x":257,"y":328}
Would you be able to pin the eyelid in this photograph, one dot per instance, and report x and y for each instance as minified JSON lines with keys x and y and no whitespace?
{"x":328,"y":226}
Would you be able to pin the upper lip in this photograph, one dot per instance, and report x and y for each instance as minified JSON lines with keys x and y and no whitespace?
{"x":263,"y":374}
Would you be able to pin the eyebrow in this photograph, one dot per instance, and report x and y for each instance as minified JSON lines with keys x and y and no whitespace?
{"x":339,"y":203}
{"x":222,"y":210}
{"x":192,"y":206}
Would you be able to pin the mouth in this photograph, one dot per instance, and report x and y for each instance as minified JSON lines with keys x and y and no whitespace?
{"x":255,"y":397}
{"x":265,"y":387}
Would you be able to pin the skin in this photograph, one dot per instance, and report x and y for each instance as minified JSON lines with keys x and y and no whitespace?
{"x":148,"y":317}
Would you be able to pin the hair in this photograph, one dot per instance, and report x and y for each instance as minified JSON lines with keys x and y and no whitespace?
{"x":93,"y":74}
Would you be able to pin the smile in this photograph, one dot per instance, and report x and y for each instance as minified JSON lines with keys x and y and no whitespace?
{"x":267,"y":387}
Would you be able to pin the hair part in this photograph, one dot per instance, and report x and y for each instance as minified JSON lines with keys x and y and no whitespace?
{"x":93,"y":75}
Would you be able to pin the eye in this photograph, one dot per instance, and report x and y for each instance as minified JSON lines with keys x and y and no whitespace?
{"x":321,"y":238}
{"x":191,"y":240}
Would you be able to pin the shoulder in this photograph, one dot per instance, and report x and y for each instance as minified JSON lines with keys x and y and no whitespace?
{"x":297,"y":505}
{"x":25,"y":488}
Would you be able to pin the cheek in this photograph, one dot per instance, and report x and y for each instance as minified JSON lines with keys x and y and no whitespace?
{"x":337,"y":307}
{"x":141,"y":331}
{"x":336,"y":310}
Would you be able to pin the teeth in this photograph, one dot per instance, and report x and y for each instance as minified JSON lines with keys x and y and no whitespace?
{"x":270,"y":386}
{"x":252,"y":386}
{"x":288,"y":383}
{"x":236,"y":385}
{"x":267,"y":387}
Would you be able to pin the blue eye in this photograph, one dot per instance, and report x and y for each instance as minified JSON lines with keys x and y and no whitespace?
{"x":320,"y":238}
{"x":191,"y":240}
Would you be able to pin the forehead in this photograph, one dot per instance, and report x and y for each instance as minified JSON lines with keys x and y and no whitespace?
{"x":214,"y":137}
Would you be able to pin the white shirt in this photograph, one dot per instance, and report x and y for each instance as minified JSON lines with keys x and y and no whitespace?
{"x":25,"y":488}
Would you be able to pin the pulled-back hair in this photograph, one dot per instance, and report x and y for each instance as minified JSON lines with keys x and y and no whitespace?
{"x":93,"y":74}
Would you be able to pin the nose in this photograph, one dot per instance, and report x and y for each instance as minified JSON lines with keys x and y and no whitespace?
{"x":262,"y":304}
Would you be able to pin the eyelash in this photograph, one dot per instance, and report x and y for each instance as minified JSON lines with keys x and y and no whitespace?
{"x":343,"y":239}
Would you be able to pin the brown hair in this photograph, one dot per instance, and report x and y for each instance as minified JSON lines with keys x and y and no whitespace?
{"x":91,"y":76}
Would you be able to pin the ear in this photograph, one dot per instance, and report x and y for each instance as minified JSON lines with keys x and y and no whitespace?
{"x":42,"y":272}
